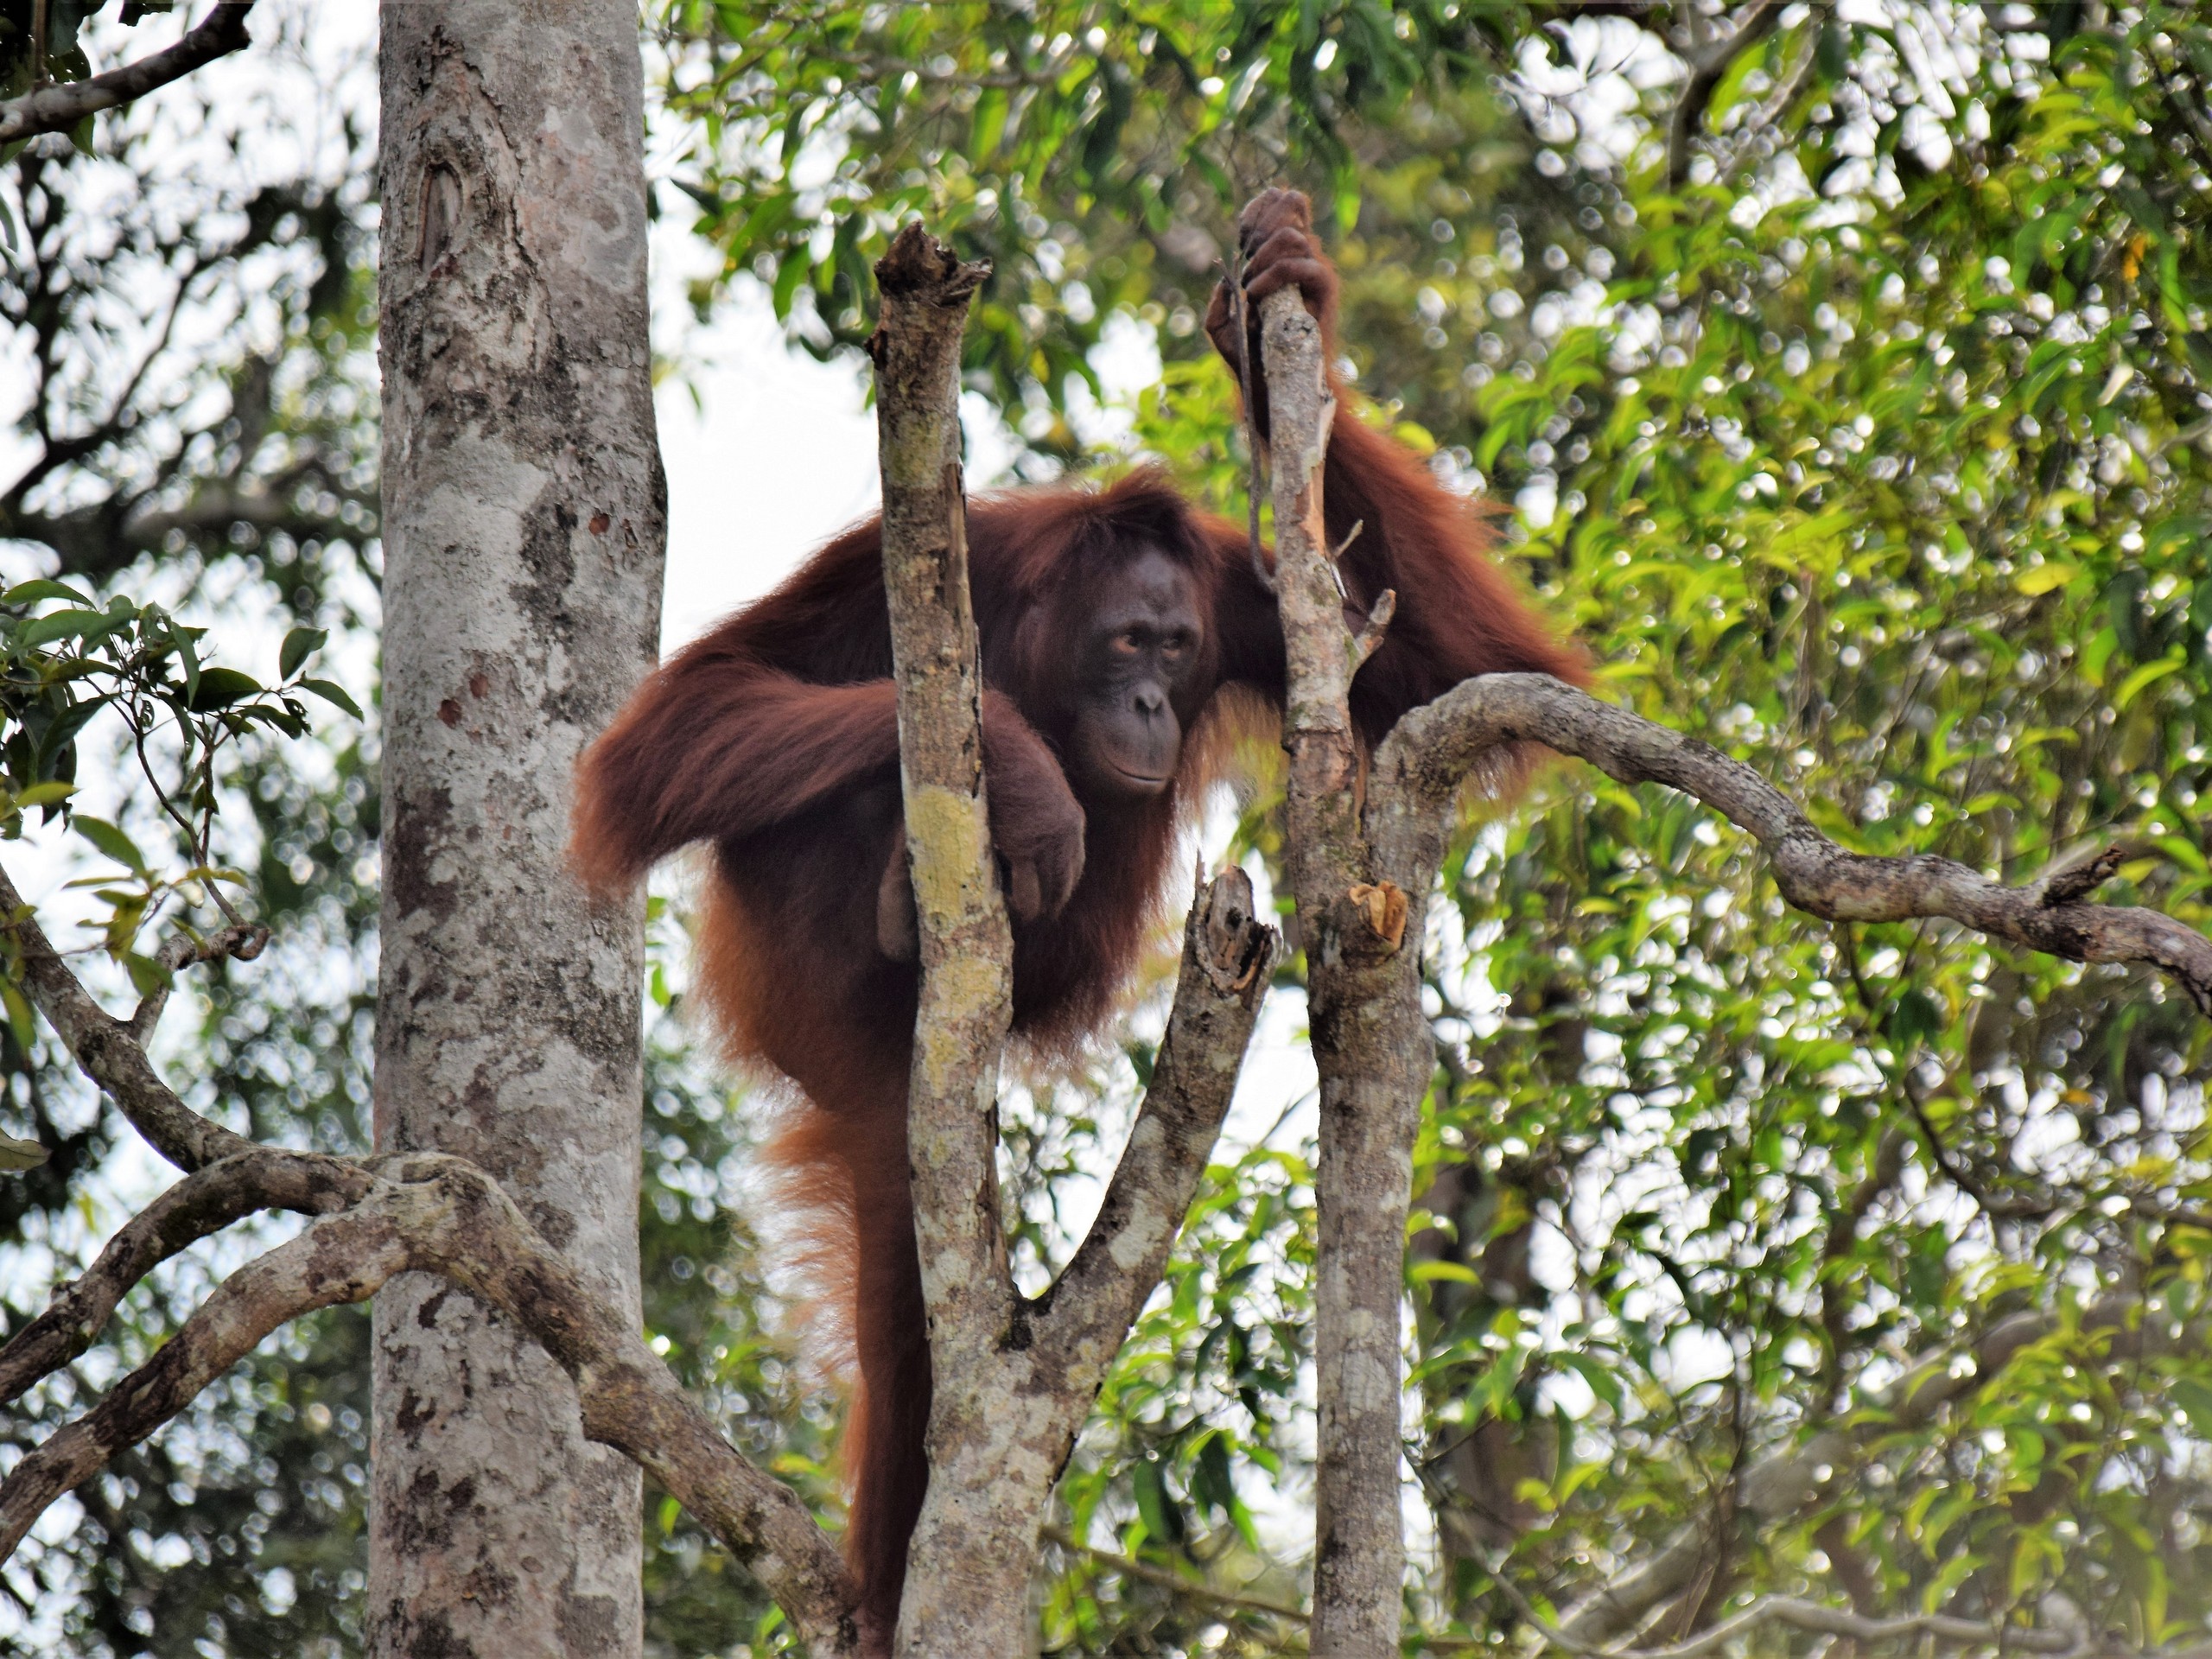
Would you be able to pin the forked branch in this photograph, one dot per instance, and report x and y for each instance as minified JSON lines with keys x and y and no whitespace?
{"x":428,"y":1213}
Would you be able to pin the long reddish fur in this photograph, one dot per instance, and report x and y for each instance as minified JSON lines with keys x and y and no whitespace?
{"x":773,"y":738}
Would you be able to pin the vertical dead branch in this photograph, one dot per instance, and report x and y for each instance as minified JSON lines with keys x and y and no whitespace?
{"x":967,"y":946}
{"x":1013,"y":1379}
{"x":1370,"y":1044}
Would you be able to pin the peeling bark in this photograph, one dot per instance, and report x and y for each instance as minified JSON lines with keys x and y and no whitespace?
{"x":524,"y":529}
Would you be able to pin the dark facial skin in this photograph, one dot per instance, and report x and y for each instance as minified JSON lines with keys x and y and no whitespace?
{"x":1141,"y":650}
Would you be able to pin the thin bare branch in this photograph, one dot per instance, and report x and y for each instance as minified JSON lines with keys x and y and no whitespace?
{"x":343,"y":1259}
{"x":58,"y":108}
{"x":437,"y":1214}
{"x":1435,"y":746}
{"x":1800,"y":1614}
{"x":1777,"y":1487}
{"x":1228,"y":954}
{"x":1255,"y":449}
{"x":1377,"y":625}
{"x":108,"y":1053}
{"x":240,"y":941}
{"x":200,"y":1205}
{"x":1129,"y":1567}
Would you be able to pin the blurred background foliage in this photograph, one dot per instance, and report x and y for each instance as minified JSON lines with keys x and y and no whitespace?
{"x":1841,"y":374}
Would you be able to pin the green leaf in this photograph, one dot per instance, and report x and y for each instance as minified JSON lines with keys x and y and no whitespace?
{"x":57,"y":625}
{"x":221,"y":687}
{"x":147,"y":976}
{"x":62,"y":730}
{"x":1156,"y":1506}
{"x":2194,"y":1397}
{"x":331,"y":692}
{"x":22,"y":1024}
{"x":110,"y":841}
{"x":2045,"y":578}
{"x":27,"y":593}
{"x":16,"y":1156}
{"x":299,"y":645}
{"x":2134,"y":685}
{"x":2097,"y":653}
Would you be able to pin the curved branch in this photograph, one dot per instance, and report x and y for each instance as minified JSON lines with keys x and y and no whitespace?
{"x":200,"y":1205}
{"x":108,"y":1053}
{"x":1434,"y":747}
{"x":58,"y":108}
{"x":343,"y":1259}
{"x":436,"y":1214}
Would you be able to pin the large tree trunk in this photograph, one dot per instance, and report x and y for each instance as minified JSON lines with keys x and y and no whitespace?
{"x":524,"y":532}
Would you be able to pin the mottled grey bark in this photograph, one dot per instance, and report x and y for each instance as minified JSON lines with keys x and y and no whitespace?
{"x":523,"y":517}
{"x":1371,"y":1044}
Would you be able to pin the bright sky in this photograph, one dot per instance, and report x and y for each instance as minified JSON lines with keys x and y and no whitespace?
{"x":773,"y":455}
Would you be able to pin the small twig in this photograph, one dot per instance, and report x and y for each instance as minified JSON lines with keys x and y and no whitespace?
{"x":56,"y":109}
{"x":1370,"y":639}
{"x":240,"y":942}
{"x":1129,"y":1567}
{"x":1746,"y":146}
{"x":107,"y":1052}
{"x":2069,"y":880}
{"x":1954,"y":1166}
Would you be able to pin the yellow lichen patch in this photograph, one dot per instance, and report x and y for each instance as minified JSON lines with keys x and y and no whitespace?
{"x":951,"y":846}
